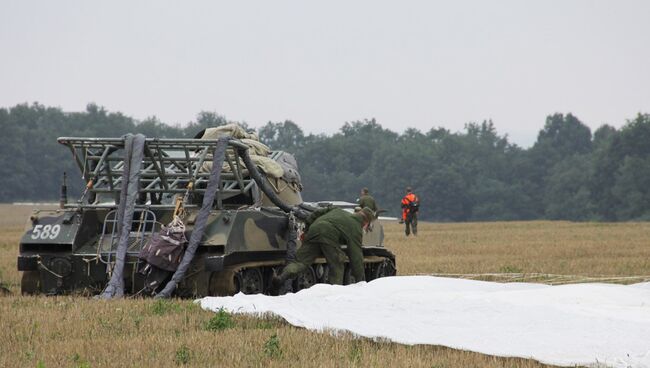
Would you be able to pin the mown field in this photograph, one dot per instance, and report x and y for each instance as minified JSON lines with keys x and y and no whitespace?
{"x":82,"y":332}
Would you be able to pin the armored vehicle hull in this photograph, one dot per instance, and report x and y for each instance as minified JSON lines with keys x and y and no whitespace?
{"x":244,"y":237}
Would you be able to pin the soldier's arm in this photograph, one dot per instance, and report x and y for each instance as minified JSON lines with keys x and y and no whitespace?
{"x":354,"y":241}
{"x":355,"y":254}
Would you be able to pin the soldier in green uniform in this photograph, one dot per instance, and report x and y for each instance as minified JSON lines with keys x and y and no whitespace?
{"x":327,"y":229}
{"x":366,"y":200}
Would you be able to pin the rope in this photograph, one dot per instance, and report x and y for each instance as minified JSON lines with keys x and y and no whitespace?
{"x":48,"y":270}
{"x":546,"y":278}
{"x":177,"y":226}
{"x":179,"y":210}
{"x":277,"y":187}
{"x":88,"y":260}
{"x":137,"y":236}
{"x":90,"y":182}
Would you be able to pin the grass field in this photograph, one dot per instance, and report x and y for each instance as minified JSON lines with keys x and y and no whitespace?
{"x":81,"y":332}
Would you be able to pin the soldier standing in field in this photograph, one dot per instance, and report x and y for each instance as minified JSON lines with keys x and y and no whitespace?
{"x":366,"y":200}
{"x":410,"y":207}
{"x":326,"y":230}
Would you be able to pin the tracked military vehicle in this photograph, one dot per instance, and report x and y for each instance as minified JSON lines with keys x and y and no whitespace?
{"x":239,"y":205}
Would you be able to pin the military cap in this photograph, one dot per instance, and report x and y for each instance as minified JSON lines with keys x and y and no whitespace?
{"x":368,"y":214}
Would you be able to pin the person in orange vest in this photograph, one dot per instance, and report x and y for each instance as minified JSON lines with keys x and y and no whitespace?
{"x":410,"y":207}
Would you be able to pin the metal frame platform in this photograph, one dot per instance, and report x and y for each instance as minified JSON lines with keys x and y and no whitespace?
{"x":169,"y":165}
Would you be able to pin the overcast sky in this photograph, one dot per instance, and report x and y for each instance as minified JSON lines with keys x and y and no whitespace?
{"x":419,"y":64}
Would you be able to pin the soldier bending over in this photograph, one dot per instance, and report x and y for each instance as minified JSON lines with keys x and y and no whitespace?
{"x":326,"y":230}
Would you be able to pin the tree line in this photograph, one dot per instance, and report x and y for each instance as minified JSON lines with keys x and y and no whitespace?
{"x":569,"y":173}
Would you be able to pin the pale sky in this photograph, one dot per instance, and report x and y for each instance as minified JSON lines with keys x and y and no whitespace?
{"x":418,"y":64}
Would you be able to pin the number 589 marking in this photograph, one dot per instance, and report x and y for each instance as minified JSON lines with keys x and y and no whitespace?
{"x":46,"y":231}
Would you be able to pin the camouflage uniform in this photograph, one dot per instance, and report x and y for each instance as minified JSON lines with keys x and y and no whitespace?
{"x":367,"y":201}
{"x":328,"y":228}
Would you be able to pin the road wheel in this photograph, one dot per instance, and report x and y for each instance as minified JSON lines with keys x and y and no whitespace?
{"x":249,"y":281}
{"x":385,"y":269}
{"x":305,"y":280}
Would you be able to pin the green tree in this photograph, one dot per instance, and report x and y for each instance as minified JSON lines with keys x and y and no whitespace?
{"x":204,"y":120}
{"x":567,"y":195}
{"x":475,"y":174}
{"x":632,"y":189}
{"x":282,"y":136}
{"x":611,"y":169}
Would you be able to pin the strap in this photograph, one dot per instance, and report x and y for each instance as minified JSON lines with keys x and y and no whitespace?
{"x":201,"y":219}
{"x":133,"y":153}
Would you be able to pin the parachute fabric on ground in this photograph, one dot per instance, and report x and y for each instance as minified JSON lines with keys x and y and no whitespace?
{"x":133,"y":152}
{"x":201,"y":219}
{"x":583,"y":324}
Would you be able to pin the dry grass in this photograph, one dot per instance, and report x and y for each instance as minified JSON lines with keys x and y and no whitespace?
{"x":80,"y":332}
{"x":58,"y":331}
{"x":555,"y":247}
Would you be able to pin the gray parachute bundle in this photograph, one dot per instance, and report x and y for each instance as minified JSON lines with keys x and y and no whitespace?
{"x":201,"y":219}
{"x":133,"y":153}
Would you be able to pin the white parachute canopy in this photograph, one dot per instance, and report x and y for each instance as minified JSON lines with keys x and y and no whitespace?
{"x":578,"y":324}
